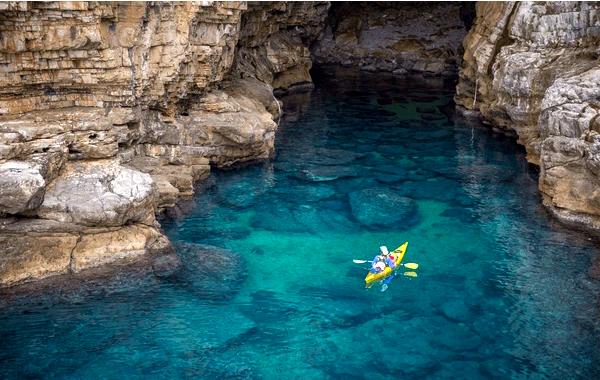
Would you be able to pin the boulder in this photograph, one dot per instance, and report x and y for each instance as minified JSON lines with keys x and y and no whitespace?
{"x":25,"y":257}
{"x":210,"y":272}
{"x":379,"y":207}
{"x":39,"y":248}
{"x":21,"y":186}
{"x":23,"y":183}
{"x":100,"y":193}
{"x":123,"y":244}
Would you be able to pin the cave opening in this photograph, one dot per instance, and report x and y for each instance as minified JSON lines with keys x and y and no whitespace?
{"x":396,"y":37}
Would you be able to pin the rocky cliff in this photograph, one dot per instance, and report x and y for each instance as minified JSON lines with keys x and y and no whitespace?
{"x":109,"y":112}
{"x":532,"y":68}
{"x":395,"y":36}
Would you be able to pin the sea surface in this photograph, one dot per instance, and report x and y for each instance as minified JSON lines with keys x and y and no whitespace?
{"x":364,"y":160}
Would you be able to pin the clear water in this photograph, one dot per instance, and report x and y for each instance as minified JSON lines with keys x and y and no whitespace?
{"x":502,"y":291}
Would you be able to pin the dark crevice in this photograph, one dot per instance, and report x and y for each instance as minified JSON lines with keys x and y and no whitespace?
{"x":504,"y":40}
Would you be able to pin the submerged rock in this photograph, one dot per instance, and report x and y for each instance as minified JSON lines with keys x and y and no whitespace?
{"x":210,"y":272}
{"x":378,"y":207}
{"x":166,"y":265}
{"x":326,"y":173}
{"x":455,"y":310}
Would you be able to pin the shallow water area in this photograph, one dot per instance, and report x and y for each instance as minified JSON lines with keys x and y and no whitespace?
{"x":364,"y":160}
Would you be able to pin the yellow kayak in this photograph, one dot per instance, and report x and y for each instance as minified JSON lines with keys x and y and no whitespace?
{"x":398,"y":254}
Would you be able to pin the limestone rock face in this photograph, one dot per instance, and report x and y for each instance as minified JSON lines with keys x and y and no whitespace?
{"x":22,"y":183}
{"x":275,"y":39}
{"x":59,"y":55}
{"x":38,"y":248}
{"x":101,"y":193}
{"x":531,"y":68}
{"x":396,"y":37}
{"x":110,"y":112}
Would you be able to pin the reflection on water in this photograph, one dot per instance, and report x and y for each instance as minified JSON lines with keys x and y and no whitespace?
{"x":502,"y":291}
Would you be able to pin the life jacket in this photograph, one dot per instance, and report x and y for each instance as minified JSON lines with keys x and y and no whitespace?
{"x":390,"y":262}
{"x":380,"y":266}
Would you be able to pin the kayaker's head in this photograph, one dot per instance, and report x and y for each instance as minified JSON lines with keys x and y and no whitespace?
{"x":384,"y":250}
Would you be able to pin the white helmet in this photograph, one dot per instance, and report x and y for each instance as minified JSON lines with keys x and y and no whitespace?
{"x":384,"y":250}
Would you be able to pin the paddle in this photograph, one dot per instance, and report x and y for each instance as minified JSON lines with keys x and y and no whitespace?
{"x":410,"y":274}
{"x":408,"y":265}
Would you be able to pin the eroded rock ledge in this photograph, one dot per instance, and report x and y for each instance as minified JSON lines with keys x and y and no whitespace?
{"x":531,"y":68}
{"x":109,"y":112}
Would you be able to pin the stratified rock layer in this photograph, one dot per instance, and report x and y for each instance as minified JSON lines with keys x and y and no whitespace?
{"x":532,"y":68}
{"x":394,"y":36}
{"x":274,"y":41}
{"x":110,"y":112}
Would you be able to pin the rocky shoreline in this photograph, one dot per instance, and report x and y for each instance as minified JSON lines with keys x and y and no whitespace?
{"x":532,"y":69}
{"x":110,"y":113}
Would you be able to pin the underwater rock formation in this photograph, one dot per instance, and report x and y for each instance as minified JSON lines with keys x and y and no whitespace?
{"x":531,"y":68}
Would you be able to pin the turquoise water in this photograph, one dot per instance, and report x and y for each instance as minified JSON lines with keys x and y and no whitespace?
{"x":364,"y":160}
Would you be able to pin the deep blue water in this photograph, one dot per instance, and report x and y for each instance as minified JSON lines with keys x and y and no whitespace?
{"x":364,"y":160}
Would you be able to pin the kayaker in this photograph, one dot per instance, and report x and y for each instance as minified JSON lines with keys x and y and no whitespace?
{"x":378,"y":264}
{"x":388,"y":258}
{"x":380,"y":261}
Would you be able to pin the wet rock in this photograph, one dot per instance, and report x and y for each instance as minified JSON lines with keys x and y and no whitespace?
{"x":379,"y":207}
{"x":38,"y":248}
{"x":109,"y":245}
{"x":210,"y":272}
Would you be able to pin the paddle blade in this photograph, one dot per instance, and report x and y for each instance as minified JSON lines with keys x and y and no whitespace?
{"x":410,"y":274}
{"x":359,"y":261}
{"x":411,"y":265}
